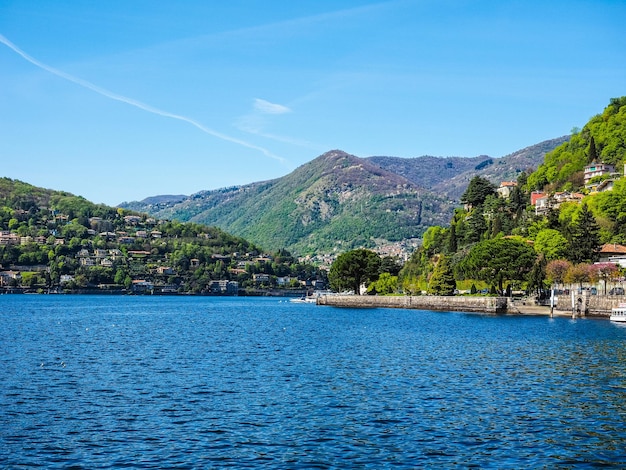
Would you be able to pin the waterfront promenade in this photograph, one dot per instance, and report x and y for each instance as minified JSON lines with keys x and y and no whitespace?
{"x":596,"y":306}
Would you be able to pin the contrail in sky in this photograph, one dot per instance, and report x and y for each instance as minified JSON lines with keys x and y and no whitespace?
{"x":135,"y":103}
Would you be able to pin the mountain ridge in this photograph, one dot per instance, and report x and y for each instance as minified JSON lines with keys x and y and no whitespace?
{"x":339,"y":201}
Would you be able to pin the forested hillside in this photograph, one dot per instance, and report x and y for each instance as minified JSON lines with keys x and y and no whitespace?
{"x":51,"y":240}
{"x":507,"y":243}
{"x":339,"y":201}
{"x":335,"y":202}
{"x":602,"y":139}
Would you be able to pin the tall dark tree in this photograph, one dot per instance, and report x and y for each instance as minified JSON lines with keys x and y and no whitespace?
{"x":475,"y":226}
{"x":593,"y":153}
{"x":353,"y":268}
{"x":477,"y":191}
{"x":585,"y":237}
{"x":452,"y":241}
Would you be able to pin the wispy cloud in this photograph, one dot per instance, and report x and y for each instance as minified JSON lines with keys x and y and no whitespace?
{"x":138,"y":104}
{"x":258,"y":119}
{"x":270,"y":108}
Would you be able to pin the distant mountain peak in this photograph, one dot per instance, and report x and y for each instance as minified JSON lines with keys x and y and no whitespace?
{"x":338,"y":200}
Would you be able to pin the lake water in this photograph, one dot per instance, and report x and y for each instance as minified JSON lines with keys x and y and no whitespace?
{"x":200,"y":382}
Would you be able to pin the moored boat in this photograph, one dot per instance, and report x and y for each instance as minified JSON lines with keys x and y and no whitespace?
{"x":305,"y":300}
{"x":618,"y":313}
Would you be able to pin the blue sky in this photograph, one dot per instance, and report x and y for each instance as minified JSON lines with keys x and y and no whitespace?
{"x":120,"y":100}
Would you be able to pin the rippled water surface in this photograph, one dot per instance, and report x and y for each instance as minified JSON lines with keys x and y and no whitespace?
{"x":169,"y":382}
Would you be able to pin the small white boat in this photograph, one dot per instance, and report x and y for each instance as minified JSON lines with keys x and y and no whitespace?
{"x":618,"y":313}
{"x":304,"y":300}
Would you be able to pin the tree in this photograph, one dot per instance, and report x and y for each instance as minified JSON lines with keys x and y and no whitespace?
{"x":353,"y":268}
{"x":477,"y":191}
{"x":442,"y":281}
{"x":551,"y":244}
{"x":585,"y":238}
{"x":577,"y":274}
{"x":593,"y":154}
{"x":556,"y":270}
{"x":606,"y":272}
{"x":499,"y":260}
{"x":452,"y":241}
{"x":386,"y":284}
{"x":537,"y":275}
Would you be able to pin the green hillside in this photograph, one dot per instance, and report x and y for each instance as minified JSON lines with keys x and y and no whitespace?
{"x":602,"y":139}
{"x":335,"y":202}
{"x":52,"y":240}
{"x":559,"y":244}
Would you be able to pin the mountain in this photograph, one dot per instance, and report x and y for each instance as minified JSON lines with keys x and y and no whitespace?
{"x":450,"y":176}
{"x":339,"y":201}
{"x":335,"y":202}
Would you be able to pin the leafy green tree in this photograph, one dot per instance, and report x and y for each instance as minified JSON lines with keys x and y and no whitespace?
{"x":537,"y":275}
{"x":551,"y":244}
{"x":391,"y":265}
{"x":385,"y":285}
{"x":499,"y":260}
{"x":353,"y":268}
{"x":442,"y":281}
{"x":477,"y":191}
{"x":585,"y":237}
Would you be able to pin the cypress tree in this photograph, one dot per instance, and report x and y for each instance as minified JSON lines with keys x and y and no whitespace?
{"x":452,"y":242}
{"x":442,"y":281}
{"x":593,"y":153}
{"x":585,"y":237}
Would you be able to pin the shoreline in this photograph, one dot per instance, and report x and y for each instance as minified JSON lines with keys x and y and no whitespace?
{"x":485,"y":305}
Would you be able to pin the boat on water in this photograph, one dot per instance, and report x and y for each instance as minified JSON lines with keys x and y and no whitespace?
{"x":618,"y":313}
{"x":304,"y":300}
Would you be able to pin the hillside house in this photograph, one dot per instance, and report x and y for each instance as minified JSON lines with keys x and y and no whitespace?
{"x":505,"y":189}
{"x":261,"y":278}
{"x":601,"y":186}
{"x":65,"y":278}
{"x":224,"y":287}
{"x":7,"y":238}
{"x":597,"y":169}
{"x":10,"y":277}
{"x":141,"y":285}
{"x":132,"y":219}
{"x":554,"y":201}
{"x":613,"y":253}
{"x":87,"y":262}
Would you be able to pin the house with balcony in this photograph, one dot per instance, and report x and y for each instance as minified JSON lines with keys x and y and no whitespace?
{"x":597,"y":169}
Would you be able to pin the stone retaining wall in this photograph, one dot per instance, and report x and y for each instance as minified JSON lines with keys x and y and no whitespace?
{"x":597,"y":306}
{"x":426,"y":302}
